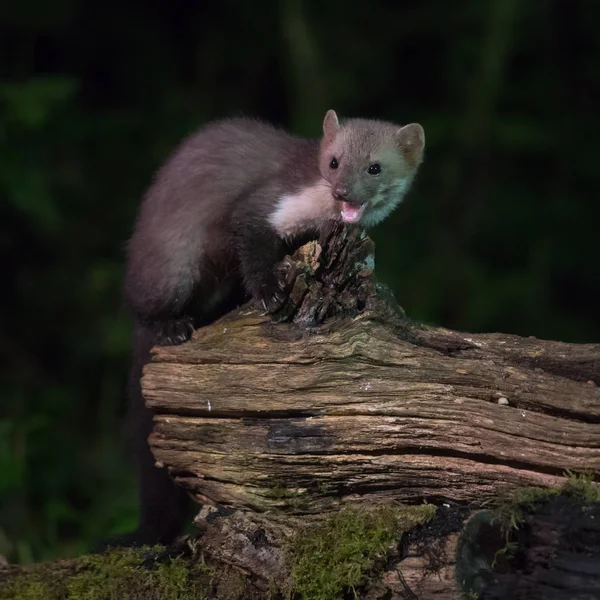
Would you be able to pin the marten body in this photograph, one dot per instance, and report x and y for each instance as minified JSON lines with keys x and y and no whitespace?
{"x":219,"y":216}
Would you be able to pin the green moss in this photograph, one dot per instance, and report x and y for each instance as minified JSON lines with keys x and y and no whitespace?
{"x":582,"y":485}
{"x":39,"y":581}
{"x":511,"y":508}
{"x":277,"y":491}
{"x":27,"y":589}
{"x":508,"y":550}
{"x":117,"y":575}
{"x":296,"y":499}
{"x":337,"y":553}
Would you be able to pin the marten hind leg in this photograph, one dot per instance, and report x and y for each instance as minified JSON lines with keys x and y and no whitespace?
{"x":159,"y":288}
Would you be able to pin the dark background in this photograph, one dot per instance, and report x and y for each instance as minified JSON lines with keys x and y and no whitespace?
{"x":499,"y":233}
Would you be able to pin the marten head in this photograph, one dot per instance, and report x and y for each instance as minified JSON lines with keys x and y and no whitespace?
{"x":369,"y":164}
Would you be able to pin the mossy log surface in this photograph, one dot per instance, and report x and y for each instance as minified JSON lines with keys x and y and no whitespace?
{"x":176,"y":573}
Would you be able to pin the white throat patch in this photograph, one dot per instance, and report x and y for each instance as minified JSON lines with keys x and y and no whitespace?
{"x":308,"y":208}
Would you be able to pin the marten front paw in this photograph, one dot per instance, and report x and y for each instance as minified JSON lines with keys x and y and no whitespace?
{"x":271,"y":296}
{"x":174,"y":332}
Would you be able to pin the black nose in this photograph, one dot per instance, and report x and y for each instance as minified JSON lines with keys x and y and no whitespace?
{"x":340,"y":193}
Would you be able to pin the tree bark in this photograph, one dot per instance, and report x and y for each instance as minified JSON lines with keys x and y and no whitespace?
{"x":364,"y":407}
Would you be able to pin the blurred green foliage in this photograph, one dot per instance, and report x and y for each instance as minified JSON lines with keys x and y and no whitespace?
{"x":499,"y":233}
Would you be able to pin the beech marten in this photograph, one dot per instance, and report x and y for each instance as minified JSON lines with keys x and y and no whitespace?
{"x":223,"y":210}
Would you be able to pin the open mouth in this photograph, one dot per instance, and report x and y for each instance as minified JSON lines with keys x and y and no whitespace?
{"x":351,"y":213}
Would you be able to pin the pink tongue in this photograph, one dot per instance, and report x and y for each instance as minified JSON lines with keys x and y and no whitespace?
{"x":350,"y":213}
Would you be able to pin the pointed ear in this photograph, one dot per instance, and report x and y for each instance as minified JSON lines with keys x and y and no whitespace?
{"x":331,"y":125}
{"x":411,"y":140}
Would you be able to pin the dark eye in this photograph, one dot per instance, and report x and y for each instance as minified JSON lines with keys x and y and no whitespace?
{"x":334,"y":163}
{"x":374,"y":169}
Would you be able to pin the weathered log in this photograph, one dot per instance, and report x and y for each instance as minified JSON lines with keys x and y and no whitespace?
{"x":358,"y":412}
{"x":367,"y":407}
{"x":341,"y":399}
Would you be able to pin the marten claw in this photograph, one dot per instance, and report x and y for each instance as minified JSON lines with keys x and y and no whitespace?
{"x":277,"y":301}
{"x":272,"y":303}
{"x":175,"y":332}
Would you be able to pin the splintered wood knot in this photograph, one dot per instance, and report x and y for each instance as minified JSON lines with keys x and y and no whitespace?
{"x":329,"y":277}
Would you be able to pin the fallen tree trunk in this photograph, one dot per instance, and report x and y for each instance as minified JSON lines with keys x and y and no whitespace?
{"x":347,"y":401}
{"x":359,"y":413}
